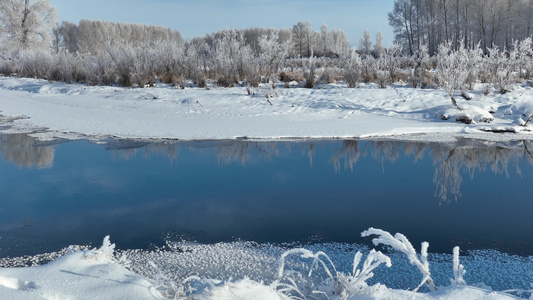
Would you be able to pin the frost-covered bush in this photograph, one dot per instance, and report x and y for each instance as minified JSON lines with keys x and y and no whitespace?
{"x":369,"y":68}
{"x":125,"y":63}
{"x":382,"y":77}
{"x":231,"y":58}
{"x":502,"y":65}
{"x":7,"y":67}
{"x":66,"y":68}
{"x":35,"y":63}
{"x":352,"y":69}
{"x":166,"y":60}
{"x":310,"y":72}
{"x":452,"y":69}
{"x":97,"y":69}
{"x":328,"y":75}
{"x":389,"y":61}
{"x":337,"y":284}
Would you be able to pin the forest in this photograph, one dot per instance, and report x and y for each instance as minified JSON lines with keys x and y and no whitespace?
{"x":447,"y":44}
{"x":467,"y":23}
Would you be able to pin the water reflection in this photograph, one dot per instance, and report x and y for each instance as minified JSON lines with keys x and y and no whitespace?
{"x":471,"y":156}
{"x":240,"y":152}
{"x":128,"y":149}
{"x":451,"y":160}
{"x":331,"y":190}
{"x":24,"y":151}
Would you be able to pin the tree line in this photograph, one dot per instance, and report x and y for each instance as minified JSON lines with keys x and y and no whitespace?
{"x":466,"y":23}
{"x":107,"y":53}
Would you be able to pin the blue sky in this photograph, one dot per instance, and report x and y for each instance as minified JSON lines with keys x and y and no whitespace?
{"x":197,"y":18}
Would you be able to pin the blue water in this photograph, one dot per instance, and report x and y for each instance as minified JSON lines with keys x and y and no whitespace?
{"x":55,"y":195}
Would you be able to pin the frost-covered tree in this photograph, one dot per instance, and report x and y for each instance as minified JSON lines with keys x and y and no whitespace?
{"x":273,"y":54}
{"x":401,"y":20}
{"x":523,"y":52}
{"x":325,"y":39}
{"x":302,"y":36}
{"x":340,"y":45}
{"x":94,"y":36}
{"x":68,"y":36}
{"x":26,"y":24}
{"x":378,"y":47}
{"x":421,"y":65}
{"x":365,"y":43}
{"x":230,"y":56}
{"x":452,"y":69}
{"x":167,"y":61}
{"x":470,"y":22}
{"x":196,"y":57}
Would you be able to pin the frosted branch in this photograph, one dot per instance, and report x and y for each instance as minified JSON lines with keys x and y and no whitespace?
{"x":402,"y":244}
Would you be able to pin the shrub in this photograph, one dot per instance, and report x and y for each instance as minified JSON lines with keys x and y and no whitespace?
{"x":328,"y":76}
{"x":285,"y":76}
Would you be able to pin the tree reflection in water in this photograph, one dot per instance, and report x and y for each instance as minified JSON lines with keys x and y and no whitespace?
{"x":128,"y":149}
{"x":241,"y":152}
{"x":472,"y":156}
{"x":451,"y":160}
{"x":24,"y":151}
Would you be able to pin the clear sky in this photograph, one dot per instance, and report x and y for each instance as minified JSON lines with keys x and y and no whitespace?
{"x":194,"y":18}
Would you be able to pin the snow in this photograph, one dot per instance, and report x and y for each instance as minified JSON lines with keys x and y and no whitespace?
{"x":57,"y":111}
{"x":79,"y":275}
{"x":139,"y":274}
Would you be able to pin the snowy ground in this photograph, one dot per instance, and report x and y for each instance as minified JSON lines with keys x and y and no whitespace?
{"x":331,"y":111}
{"x":244,"y":270}
{"x":53,"y":110}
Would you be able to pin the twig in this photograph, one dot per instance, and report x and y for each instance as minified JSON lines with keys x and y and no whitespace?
{"x":153,"y":97}
{"x":268,"y":95}
{"x":528,"y":119}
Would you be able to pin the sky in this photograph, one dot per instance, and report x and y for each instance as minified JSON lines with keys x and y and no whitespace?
{"x":198,"y":18}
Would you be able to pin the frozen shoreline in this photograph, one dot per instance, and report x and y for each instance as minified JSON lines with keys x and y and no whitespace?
{"x":58,"y":111}
{"x":241,"y":270}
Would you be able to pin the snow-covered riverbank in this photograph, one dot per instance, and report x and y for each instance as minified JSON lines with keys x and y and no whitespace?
{"x":55,"y":110}
{"x":243,"y":270}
